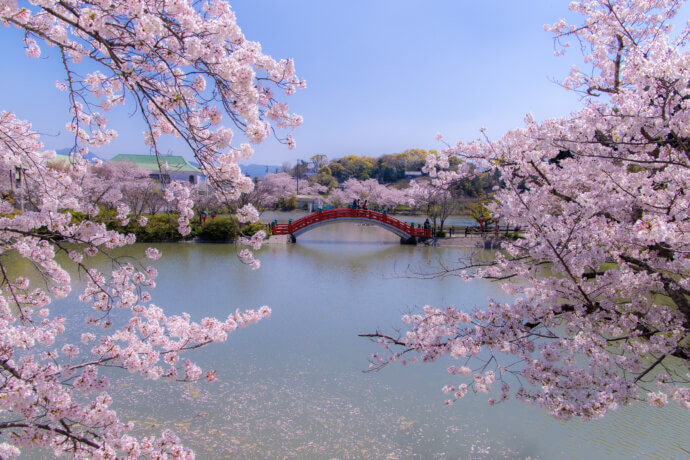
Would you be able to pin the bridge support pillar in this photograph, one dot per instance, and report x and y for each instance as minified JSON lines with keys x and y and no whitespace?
{"x":292,"y":237}
{"x":410,"y":240}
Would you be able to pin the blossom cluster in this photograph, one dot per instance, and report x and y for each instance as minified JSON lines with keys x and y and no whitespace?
{"x":279,"y":186}
{"x":189,"y":70}
{"x":370,"y":190}
{"x":600,"y":274}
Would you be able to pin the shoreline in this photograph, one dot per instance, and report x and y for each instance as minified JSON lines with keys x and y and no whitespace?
{"x":467,"y":242}
{"x":464,"y":242}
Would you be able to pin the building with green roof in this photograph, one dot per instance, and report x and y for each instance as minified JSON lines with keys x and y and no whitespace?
{"x":177,"y":168}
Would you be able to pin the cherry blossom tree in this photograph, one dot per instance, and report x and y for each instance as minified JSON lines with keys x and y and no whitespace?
{"x":601,"y":313}
{"x":370,"y":190}
{"x":276,"y":188}
{"x":436,"y":199}
{"x":186,"y":67}
{"x":108,"y":184}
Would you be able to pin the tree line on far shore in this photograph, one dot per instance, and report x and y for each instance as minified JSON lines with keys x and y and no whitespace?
{"x":106,"y":184}
{"x":392,"y":169}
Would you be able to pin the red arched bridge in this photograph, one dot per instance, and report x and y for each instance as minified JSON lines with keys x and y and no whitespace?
{"x":408,"y":233}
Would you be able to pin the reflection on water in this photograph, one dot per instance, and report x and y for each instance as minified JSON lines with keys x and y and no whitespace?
{"x":293,"y":387}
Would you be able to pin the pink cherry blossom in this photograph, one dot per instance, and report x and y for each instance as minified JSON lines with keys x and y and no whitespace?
{"x":600,"y":315}
{"x":190,"y":73}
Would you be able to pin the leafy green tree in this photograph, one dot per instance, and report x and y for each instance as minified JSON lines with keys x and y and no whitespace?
{"x":361,"y":168}
{"x":337,"y":171}
{"x":325,"y":178}
{"x":391,"y":168}
{"x":318,"y":161}
{"x":413,"y":159}
{"x":479,"y":212}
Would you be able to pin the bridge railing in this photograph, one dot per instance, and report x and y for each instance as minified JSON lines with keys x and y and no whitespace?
{"x":344,"y":213}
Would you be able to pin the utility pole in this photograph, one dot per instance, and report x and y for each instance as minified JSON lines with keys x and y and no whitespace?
{"x":297,"y":176}
{"x":299,"y":171}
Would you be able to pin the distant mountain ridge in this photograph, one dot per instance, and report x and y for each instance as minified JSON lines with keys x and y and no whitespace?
{"x":254,"y":170}
{"x":88,"y":157}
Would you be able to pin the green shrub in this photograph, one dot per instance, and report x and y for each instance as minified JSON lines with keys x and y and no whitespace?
{"x":161,"y":227}
{"x":290,"y":202}
{"x":250,"y":229}
{"x":107,"y":216}
{"x":222,"y":228}
{"x":441,"y":234}
{"x":77,"y":217}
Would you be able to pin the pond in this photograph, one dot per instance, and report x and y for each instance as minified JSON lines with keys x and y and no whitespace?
{"x":293,"y":386}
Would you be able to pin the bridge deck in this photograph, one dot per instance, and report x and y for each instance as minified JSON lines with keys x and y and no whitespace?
{"x":350,"y":214}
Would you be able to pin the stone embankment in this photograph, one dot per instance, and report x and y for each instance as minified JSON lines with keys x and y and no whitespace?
{"x":465,"y":242}
{"x":452,"y":242}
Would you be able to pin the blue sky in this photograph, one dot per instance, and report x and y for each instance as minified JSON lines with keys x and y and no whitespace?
{"x":383,"y":75}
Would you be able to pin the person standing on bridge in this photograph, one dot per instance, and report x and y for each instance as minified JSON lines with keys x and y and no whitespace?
{"x":364,"y":206}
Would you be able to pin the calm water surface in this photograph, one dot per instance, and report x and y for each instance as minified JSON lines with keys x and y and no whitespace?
{"x":292,"y":386}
